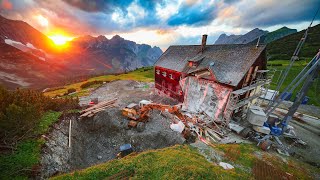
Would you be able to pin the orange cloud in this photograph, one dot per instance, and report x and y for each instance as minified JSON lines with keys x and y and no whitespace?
{"x":6,"y":4}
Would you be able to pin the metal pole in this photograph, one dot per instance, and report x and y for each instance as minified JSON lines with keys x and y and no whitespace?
{"x":279,"y":99}
{"x":293,"y":83}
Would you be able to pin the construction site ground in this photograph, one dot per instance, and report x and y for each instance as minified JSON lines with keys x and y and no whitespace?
{"x":97,"y":140}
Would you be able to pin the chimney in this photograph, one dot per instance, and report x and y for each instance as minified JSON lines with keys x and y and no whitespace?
{"x":204,"y":42}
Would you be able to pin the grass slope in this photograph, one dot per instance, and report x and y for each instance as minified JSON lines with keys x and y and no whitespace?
{"x":21,"y":163}
{"x":283,"y":48}
{"x":280,"y":65}
{"x":185,"y":162}
{"x":145,"y":74}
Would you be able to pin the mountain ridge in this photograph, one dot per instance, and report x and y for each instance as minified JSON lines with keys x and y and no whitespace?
{"x":253,"y":35}
{"x":241,"y":39}
{"x":284,"y":47}
{"x":84,"y":56}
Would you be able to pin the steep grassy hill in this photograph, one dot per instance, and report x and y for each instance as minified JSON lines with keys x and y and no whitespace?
{"x":279,"y":33}
{"x":185,"y":162}
{"x":283,"y":48}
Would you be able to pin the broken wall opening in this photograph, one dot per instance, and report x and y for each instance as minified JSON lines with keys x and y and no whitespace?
{"x":203,"y":96}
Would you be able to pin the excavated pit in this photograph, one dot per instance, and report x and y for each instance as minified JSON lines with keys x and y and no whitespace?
{"x":98,"y":139}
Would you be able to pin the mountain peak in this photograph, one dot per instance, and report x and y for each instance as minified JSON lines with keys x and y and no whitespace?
{"x":117,"y":37}
{"x":257,"y":30}
{"x":101,"y":38}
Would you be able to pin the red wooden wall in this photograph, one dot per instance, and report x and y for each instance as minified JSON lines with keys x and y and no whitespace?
{"x":167,"y":81}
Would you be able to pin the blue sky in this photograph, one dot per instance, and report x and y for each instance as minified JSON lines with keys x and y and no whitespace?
{"x":160,"y":22}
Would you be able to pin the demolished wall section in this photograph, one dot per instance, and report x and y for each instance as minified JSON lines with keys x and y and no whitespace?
{"x":201,"y":95}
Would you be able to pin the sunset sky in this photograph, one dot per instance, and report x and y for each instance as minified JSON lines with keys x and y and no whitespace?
{"x":160,"y":22}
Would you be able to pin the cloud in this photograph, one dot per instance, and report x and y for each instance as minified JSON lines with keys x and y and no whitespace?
{"x":273,"y":12}
{"x":6,"y":4}
{"x":194,"y":13}
{"x":163,"y":22}
{"x":231,"y":1}
{"x":99,"y":5}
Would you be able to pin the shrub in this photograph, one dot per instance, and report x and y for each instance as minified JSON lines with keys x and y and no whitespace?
{"x":90,"y":83}
{"x":71,"y":90}
{"x":21,"y":110}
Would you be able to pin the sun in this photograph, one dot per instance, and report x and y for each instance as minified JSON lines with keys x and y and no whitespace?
{"x":60,"y":39}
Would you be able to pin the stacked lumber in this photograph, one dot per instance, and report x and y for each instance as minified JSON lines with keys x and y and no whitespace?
{"x":91,"y":111}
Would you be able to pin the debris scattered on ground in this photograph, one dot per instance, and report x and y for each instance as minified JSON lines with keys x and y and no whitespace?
{"x":179,"y":127}
{"x":99,"y":139}
{"x":225,"y":165}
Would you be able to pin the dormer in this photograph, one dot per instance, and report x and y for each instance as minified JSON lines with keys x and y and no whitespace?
{"x":194,"y":62}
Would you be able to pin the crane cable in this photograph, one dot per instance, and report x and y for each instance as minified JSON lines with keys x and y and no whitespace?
{"x":293,"y":59}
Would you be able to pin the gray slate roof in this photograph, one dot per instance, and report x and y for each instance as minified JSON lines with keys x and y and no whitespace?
{"x":231,"y":61}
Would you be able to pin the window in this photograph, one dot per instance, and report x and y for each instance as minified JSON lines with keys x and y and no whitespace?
{"x":193,"y":64}
{"x":170,"y":76}
{"x":158,"y":71}
{"x":164,"y":74}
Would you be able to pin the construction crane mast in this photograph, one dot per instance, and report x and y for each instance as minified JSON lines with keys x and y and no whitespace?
{"x":314,"y":73}
{"x":275,"y":102}
{"x":306,"y":72}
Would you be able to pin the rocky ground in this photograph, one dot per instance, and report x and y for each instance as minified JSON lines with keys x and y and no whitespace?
{"x":56,"y":153}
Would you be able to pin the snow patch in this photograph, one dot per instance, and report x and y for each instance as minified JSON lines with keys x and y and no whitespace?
{"x":13,"y":43}
{"x":24,"y":48}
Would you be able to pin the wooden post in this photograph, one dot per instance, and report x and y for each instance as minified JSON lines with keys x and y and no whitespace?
{"x":70,"y":133}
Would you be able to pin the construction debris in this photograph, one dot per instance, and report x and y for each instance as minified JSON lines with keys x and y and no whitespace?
{"x":226,"y":165}
{"x":235,"y":127}
{"x":91,"y":111}
{"x":179,"y":127}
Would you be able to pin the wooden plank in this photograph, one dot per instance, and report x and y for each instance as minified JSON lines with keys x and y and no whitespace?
{"x":96,"y":110}
{"x":70,"y":133}
{"x":100,"y":105}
